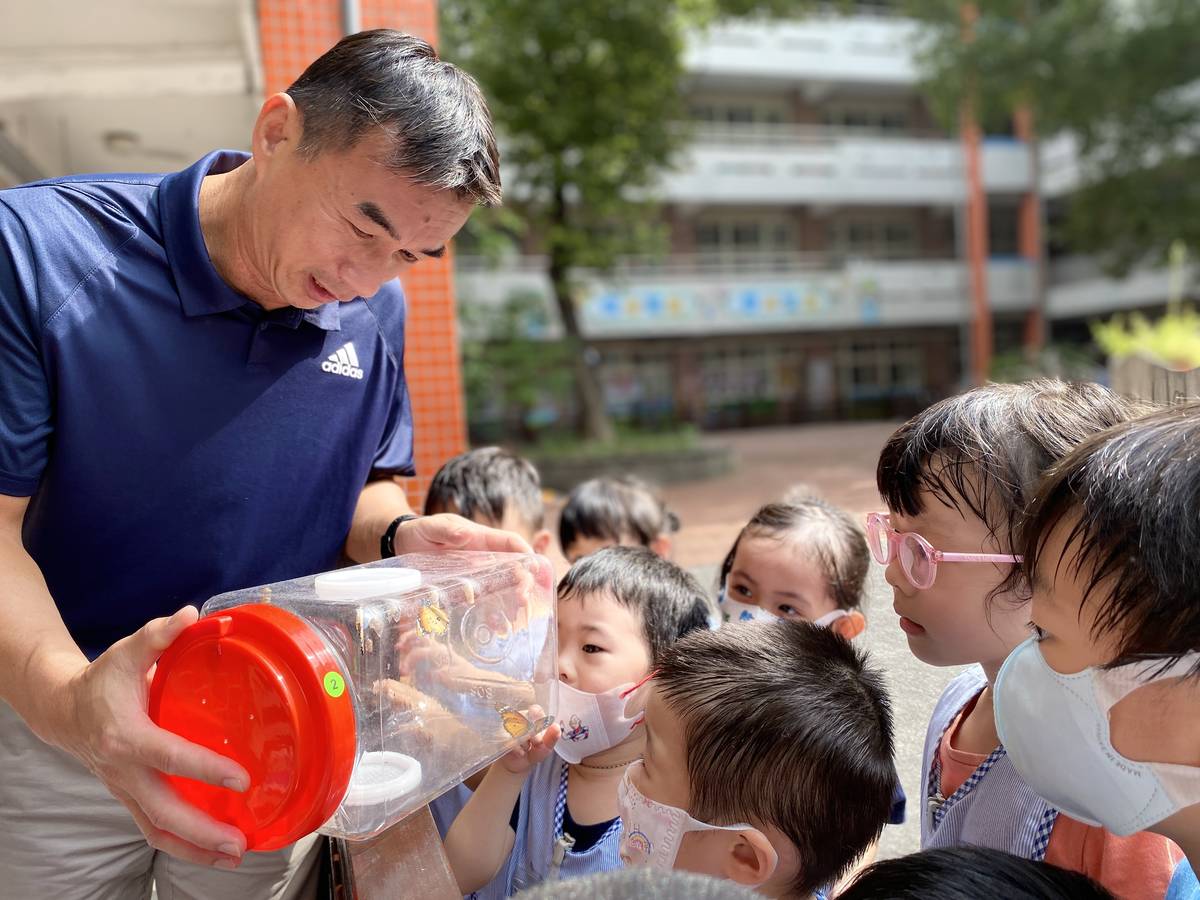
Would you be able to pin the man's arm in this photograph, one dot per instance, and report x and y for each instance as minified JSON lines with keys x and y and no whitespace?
{"x":381,"y":502}
{"x":97,"y":711}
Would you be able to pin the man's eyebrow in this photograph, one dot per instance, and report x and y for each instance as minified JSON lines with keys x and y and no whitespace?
{"x":375,"y":214}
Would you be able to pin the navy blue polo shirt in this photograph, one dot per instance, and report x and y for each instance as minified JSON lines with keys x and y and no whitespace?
{"x":177,"y":440}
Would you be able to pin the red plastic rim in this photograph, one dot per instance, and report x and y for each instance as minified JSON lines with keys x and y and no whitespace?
{"x":260,"y":685}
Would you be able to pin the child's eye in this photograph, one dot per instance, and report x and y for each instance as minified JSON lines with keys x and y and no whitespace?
{"x":790,"y":611}
{"x":741,"y":589}
{"x":592,"y":648}
{"x":1039,"y":633}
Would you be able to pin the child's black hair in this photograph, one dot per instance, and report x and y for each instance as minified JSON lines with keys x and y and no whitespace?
{"x":614,"y":509}
{"x":961,"y":872}
{"x":785,"y":726}
{"x":982,"y":452}
{"x":829,"y":536}
{"x":481,"y":484}
{"x":1129,"y":499}
{"x":669,"y":601}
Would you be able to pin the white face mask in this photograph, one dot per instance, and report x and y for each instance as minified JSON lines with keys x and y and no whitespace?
{"x":1055,"y":729}
{"x":735,"y":611}
{"x":591,"y":723}
{"x":651,"y":832}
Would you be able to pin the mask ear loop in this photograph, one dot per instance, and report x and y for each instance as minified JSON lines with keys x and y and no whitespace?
{"x":624,"y":694}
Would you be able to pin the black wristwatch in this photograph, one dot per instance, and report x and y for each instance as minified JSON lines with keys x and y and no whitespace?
{"x":387,"y":543}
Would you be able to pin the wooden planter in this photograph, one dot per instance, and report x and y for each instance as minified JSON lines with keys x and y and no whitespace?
{"x":1146,"y":378}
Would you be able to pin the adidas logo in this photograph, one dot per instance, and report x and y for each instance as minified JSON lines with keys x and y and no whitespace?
{"x":344,"y":362}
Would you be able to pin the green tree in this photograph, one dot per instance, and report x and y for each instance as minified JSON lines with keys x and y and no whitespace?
{"x":587,"y":99}
{"x":1122,"y":76}
{"x":509,"y":368}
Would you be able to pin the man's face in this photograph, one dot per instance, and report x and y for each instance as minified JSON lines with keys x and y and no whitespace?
{"x":339,"y":225}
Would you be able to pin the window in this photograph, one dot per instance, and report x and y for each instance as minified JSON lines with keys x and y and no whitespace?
{"x":767,"y":232}
{"x":873,"y":238}
{"x":741,"y":111}
{"x":868,"y":117}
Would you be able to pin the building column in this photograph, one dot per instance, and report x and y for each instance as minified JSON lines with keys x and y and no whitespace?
{"x":293,"y":33}
{"x":1030,"y":240}
{"x":976,"y":230}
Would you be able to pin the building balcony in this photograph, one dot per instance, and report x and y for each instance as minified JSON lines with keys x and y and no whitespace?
{"x":875,"y":50}
{"x":690,"y":296}
{"x":789,"y":164}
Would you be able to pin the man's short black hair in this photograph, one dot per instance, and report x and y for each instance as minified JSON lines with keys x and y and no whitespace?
{"x":970,"y":872}
{"x":1130,"y":501}
{"x":669,"y":601}
{"x":786,"y":726}
{"x":481,"y":484}
{"x":982,"y":452}
{"x":614,"y":509}
{"x":391,"y":82}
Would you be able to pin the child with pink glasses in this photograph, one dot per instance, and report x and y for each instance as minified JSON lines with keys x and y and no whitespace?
{"x":956,"y":479}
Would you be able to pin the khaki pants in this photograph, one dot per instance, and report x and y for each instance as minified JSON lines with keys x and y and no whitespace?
{"x":63,"y":835}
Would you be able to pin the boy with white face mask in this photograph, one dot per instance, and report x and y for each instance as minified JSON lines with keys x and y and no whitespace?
{"x":768,"y":759}
{"x":1099,"y":710}
{"x":538,"y":814}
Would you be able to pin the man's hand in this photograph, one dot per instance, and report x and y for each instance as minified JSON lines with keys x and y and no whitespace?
{"x":104,"y":723}
{"x":451,"y":532}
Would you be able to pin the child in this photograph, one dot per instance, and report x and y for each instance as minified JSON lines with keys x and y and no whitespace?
{"x":607,"y":512}
{"x":618,"y":610}
{"x":799,"y":559}
{"x":970,"y":872}
{"x":1110,"y":548}
{"x":493,"y":487}
{"x":955,"y":480}
{"x":768,"y":758}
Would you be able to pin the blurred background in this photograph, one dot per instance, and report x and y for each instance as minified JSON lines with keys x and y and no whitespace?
{"x":722,"y":214}
{"x":734,"y":229}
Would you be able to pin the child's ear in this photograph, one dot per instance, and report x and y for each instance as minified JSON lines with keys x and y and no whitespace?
{"x":541,"y":541}
{"x":752,"y":859}
{"x":662,"y":545}
{"x":850,"y":626}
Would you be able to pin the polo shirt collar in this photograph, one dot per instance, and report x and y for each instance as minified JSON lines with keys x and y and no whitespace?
{"x":202,"y":291}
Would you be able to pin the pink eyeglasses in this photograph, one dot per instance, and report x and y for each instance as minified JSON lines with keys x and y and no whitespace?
{"x":918,"y":559}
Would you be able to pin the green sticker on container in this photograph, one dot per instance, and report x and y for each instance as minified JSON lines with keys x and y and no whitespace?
{"x":335,"y":684}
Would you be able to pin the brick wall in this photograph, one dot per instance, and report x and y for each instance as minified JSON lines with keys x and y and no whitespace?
{"x":293,"y":33}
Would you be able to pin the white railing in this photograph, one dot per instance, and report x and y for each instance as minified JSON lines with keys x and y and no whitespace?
{"x":791,"y":134}
{"x":841,"y":49}
{"x":685,"y":264}
{"x":631,"y":302}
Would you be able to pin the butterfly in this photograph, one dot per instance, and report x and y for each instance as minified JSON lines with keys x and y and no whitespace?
{"x":517,"y":724}
{"x":432,"y":620}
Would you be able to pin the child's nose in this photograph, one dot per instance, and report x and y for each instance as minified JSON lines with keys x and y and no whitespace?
{"x":566,"y":671}
{"x":894,"y":575}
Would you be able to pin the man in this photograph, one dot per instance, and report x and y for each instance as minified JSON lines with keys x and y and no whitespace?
{"x":201,"y":373}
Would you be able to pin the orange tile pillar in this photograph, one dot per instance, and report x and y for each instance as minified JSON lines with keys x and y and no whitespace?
{"x":293,"y":33}
{"x":1030,"y":241}
{"x":977,"y":229}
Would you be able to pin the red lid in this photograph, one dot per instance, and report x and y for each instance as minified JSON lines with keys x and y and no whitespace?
{"x":259,"y":685}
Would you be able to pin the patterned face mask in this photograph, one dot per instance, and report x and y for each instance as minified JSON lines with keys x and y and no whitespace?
{"x":651,"y":831}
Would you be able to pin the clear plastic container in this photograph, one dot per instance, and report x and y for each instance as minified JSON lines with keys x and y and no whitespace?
{"x":357,"y":696}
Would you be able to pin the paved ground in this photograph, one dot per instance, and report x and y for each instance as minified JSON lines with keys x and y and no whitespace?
{"x":839,"y":461}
